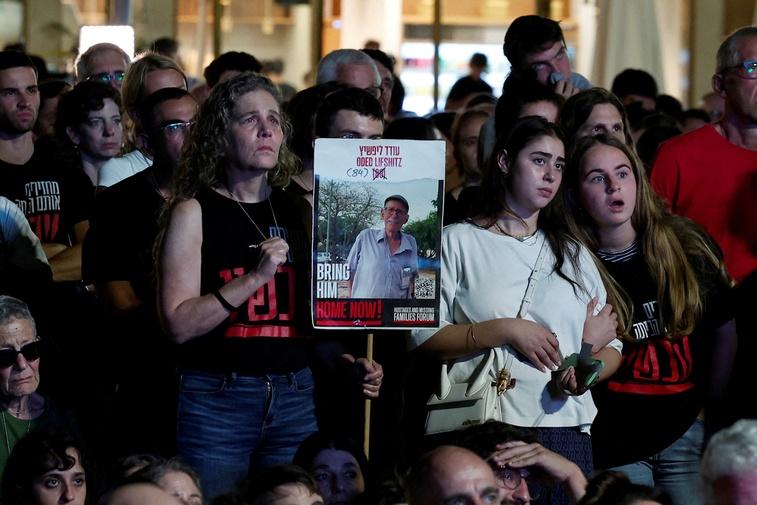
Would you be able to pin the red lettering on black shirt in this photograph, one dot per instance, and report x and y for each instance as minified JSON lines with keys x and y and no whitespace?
{"x":269,"y":312}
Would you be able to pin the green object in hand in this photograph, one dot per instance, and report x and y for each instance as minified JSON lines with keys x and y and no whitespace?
{"x":587,"y":368}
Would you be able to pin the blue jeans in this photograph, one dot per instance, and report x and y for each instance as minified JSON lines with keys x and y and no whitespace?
{"x":229,"y":424}
{"x":675,"y":469}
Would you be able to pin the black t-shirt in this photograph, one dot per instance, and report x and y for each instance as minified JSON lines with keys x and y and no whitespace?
{"x":267,"y":333}
{"x":53,"y":196}
{"x":463,"y":207}
{"x":119,"y":245}
{"x":657,"y":392}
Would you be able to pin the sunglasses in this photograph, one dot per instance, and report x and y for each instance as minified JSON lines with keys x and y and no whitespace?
{"x":31,"y":351}
{"x":106,"y":77}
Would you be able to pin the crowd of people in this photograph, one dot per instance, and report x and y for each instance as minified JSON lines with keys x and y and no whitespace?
{"x":598,"y":269}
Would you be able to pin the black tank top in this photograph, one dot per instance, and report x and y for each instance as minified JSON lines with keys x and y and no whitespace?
{"x":267,"y":333}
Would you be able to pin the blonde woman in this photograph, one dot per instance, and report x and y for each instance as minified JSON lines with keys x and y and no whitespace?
{"x":675,"y":290}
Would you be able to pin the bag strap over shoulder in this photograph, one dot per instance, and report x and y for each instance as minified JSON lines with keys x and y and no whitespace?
{"x":532,"y":280}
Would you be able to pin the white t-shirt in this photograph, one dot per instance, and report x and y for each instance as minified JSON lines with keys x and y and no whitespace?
{"x":484,"y":277}
{"x":118,"y":169}
{"x":19,"y":246}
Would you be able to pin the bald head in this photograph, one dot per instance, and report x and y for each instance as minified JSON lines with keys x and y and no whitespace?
{"x":451,"y":473}
{"x":141,"y":494}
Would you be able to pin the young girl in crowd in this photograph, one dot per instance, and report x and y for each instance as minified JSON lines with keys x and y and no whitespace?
{"x":338,"y":465}
{"x":465,"y":135}
{"x":46,"y":469}
{"x":675,"y":287}
{"x":486,"y":267}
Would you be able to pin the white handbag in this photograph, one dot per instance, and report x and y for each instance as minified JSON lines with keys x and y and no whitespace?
{"x":464,"y":402}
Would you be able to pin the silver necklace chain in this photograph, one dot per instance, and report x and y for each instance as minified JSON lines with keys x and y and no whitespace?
{"x":520,"y":238}
{"x":270,"y":205}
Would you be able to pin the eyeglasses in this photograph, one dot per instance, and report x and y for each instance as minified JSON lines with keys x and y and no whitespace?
{"x":746,"y":69}
{"x":394,"y":210}
{"x":512,"y":478}
{"x":177,"y":128}
{"x":30,"y":351}
{"x":106,"y":77}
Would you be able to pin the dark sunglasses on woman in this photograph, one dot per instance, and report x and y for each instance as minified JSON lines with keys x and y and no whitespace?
{"x":30,"y":351}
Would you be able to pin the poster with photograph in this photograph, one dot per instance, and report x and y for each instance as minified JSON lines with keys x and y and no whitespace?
{"x":377,"y":233}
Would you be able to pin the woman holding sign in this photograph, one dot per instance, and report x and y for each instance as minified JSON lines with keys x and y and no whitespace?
{"x":233,"y":274}
{"x":512,"y":279}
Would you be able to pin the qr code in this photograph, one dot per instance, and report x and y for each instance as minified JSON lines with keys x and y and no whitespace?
{"x":425,"y":288}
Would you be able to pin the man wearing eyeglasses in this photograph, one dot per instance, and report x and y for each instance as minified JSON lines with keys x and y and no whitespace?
{"x":384,"y":262}
{"x":710,"y":174}
{"x":103,"y":62}
{"x":524,"y":469}
{"x":119,"y":246}
{"x":385,"y":67}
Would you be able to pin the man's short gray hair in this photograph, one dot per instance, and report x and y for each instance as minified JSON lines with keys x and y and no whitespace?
{"x":730,"y":451}
{"x":13,"y":308}
{"x":328,"y":67}
{"x":84,"y":61}
{"x":728,"y":53}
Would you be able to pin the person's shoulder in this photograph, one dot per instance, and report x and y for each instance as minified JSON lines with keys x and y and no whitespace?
{"x":186,"y":210}
{"x":11,"y":219}
{"x":706,"y":135}
{"x":369,"y":233}
{"x":134,"y":158}
{"x":131,"y":190}
{"x":10,"y":209}
{"x":461,"y":230}
{"x":132,"y":162}
{"x":466,"y":226}
{"x":136,"y":183}
{"x":7,"y":206}
{"x":584,"y":254}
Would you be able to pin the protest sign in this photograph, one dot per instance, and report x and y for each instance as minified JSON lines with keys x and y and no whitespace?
{"x":377,"y":233}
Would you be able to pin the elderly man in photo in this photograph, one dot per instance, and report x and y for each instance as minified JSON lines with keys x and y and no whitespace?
{"x":384,"y":263}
